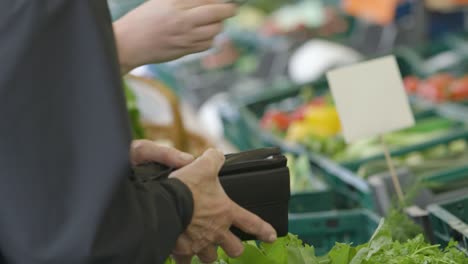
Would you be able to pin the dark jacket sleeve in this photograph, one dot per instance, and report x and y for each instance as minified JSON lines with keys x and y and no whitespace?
{"x":65,"y":191}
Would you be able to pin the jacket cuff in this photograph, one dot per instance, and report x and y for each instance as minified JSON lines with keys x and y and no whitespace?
{"x":183,"y":197}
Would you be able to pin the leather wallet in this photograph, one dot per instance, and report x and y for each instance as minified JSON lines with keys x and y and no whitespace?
{"x":257,"y":180}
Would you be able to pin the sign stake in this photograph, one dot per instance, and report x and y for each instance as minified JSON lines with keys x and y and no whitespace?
{"x":391,"y":167}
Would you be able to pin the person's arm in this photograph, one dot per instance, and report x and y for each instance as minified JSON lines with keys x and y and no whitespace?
{"x":65,"y":191}
{"x":163,"y":30}
{"x":153,"y":213}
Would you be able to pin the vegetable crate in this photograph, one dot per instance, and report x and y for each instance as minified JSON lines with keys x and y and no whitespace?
{"x":436,"y":182}
{"x":322,"y":216}
{"x":307,"y":201}
{"x":239,"y":122}
{"x":324,"y":229}
{"x":329,"y":199}
{"x":341,"y":176}
{"x":450,"y":221}
{"x":450,"y":54}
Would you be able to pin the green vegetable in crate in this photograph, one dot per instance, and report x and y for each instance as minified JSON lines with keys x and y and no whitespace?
{"x":425,"y":162}
{"x":424,"y":130}
{"x":134,"y":114}
{"x":400,"y":226}
{"x":303,"y":178}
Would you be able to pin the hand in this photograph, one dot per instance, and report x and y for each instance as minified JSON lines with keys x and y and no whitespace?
{"x":163,"y":30}
{"x":143,"y":151}
{"x":214,"y":213}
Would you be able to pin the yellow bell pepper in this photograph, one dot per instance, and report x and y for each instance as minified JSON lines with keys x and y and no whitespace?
{"x":323,"y":120}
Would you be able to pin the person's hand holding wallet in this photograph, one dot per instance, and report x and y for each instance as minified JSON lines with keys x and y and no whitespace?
{"x":214,"y":213}
{"x":233,"y":197}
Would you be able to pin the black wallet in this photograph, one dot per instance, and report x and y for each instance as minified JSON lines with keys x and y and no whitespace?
{"x":257,"y":180}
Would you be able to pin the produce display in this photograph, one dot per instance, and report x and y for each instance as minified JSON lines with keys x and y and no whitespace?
{"x":426,"y":162}
{"x":381,"y":248}
{"x":310,"y":18}
{"x":316,"y":125}
{"x":438,"y":88}
{"x":303,"y":177}
{"x":425,"y":130}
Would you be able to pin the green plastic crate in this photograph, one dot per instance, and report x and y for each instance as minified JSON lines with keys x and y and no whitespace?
{"x":344,"y":180}
{"x":324,"y":229}
{"x":307,"y":201}
{"x":329,"y":199}
{"x":340,"y":178}
{"x":450,"y":221}
{"x":349,"y":190}
{"x":413,"y":61}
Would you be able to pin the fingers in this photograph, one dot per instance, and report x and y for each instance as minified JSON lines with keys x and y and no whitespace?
{"x":231,"y":245}
{"x":200,"y":245}
{"x":208,"y":164}
{"x":210,"y":14}
{"x":208,"y":255}
{"x":207,"y":32}
{"x":182,"y":252}
{"x":253,"y":224}
{"x":202,"y":46}
{"x":188,"y":4}
{"x":183,"y":246}
{"x":147,"y":151}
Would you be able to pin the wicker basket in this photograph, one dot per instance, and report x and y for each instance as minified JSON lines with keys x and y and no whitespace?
{"x":174,"y":132}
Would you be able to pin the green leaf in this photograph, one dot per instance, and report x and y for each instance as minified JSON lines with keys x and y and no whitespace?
{"x":360,"y":256}
{"x":252,"y":254}
{"x":341,"y":253}
{"x":169,"y":261}
{"x":276,"y":251}
{"x":134,"y":114}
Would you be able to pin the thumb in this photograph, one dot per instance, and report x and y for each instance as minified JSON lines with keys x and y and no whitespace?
{"x":148,"y":151}
{"x":209,"y":164}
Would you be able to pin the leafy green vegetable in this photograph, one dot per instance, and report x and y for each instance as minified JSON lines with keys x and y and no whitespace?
{"x":400,"y":226}
{"x":424,"y":131}
{"x":423,"y":163}
{"x":342,"y":253}
{"x":289,"y":249}
{"x":303,"y":177}
{"x":132,"y":107}
{"x":381,"y":248}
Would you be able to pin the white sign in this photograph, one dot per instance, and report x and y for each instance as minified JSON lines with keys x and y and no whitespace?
{"x":370,"y":98}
